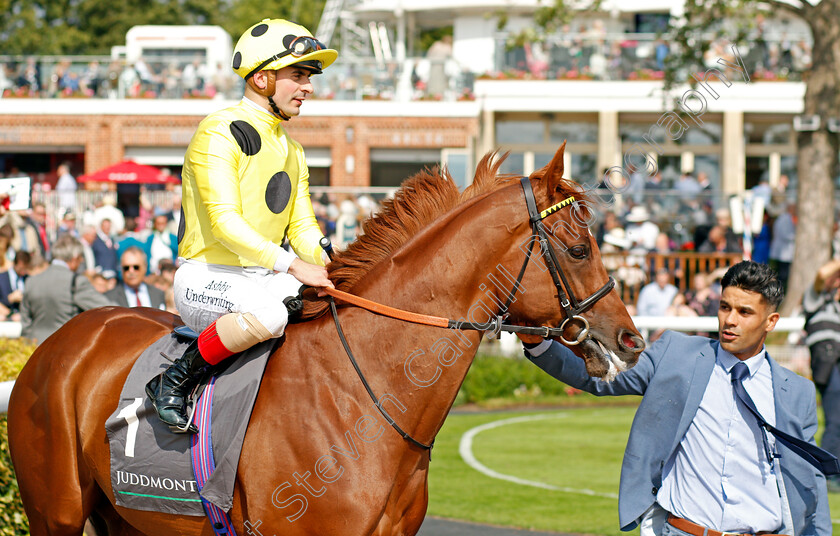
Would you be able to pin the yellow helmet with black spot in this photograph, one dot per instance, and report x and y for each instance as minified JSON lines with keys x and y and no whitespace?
{"x":272,"y":44}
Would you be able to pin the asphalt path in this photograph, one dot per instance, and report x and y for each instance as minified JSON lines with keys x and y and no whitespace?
{"x":444,"y":527}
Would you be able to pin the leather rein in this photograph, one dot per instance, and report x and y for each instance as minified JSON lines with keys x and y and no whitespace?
{"x":571,"y":306}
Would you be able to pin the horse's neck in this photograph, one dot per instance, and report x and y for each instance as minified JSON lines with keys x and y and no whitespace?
{"x":447,"y":270}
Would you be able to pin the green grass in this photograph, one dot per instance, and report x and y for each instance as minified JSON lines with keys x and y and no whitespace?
{"x":580,"y":448}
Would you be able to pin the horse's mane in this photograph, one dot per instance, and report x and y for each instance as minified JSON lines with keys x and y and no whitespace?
{"x":421,"y":200}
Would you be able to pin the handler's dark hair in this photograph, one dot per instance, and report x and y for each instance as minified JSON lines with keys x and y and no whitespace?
{"x":755,"y":277}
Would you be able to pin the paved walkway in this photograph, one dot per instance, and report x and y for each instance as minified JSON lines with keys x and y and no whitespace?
{"x":444,"y":527}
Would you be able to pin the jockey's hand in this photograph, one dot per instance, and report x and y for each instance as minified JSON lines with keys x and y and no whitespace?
{"x":310,"y":274}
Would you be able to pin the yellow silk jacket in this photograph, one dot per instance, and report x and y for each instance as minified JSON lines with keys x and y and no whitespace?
{"x":245,"y":187}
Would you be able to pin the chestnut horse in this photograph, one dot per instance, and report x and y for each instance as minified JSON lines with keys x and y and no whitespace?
{"x":318,"y":458}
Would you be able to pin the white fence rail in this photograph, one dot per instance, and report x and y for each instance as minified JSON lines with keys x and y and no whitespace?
{"x":5,"y":391}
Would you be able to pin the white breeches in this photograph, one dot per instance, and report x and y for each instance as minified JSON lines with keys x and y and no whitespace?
{"x":205,"y":292}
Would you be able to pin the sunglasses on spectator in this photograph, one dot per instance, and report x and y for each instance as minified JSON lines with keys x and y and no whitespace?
{"x":300,"y":46}
{"x":128,"y":267}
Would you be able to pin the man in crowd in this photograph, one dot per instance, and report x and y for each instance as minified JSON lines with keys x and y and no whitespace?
{"x":821,"y":305}
{"x":34,"y":232}
{"x":66,"y":187}
{"x":161,"y":244}
{"x":783,"y":242}
{"x":57,"y":294}
{"x":133,"y":291}
{"x":697,"y":459}
{"x":654,"y":298}
{"x":719,"y":242}
{"x":105,"y":250}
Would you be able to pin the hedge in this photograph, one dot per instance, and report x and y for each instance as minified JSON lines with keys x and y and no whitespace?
{"x":13,"y":355}
{"x":496,"y":377}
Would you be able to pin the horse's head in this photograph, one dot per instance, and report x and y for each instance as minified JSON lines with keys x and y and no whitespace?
{"x":567,"y":286}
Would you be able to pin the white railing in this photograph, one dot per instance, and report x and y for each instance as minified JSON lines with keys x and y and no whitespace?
{"x":5,"y":392}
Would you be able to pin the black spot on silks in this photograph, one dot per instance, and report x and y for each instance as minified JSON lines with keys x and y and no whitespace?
{"x":246,"y":136}
{"x":287,"y":41}
{"x":182,"y":226}
{"x":259,"y":29}
{"x":237,"y":60}
{"x":278,"y":192}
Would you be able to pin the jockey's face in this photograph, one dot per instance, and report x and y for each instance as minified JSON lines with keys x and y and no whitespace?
{"x":292,"y":88}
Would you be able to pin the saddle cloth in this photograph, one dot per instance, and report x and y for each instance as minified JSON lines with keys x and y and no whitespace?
{"x":150,"y":465}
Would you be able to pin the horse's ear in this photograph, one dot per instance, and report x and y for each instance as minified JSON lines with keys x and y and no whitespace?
{"x":553,"y":172}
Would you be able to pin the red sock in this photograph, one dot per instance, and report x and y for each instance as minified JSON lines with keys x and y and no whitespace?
{"x":210,"y":347}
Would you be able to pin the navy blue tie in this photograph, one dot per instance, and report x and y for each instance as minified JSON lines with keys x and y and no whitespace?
{"x":819,"y":458}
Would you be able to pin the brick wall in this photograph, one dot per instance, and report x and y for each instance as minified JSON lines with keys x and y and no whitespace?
{"x":105,"y":137}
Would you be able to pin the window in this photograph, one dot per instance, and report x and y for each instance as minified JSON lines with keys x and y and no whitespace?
{"x":517,"y":132}
{"x":514,"y":164}
{"x":573,"y":132}
{"x":768,"y":132}
{"x":457,"y":162}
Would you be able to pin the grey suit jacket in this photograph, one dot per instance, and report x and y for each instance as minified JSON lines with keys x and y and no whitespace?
{"x":117,"y":295}
{"x":49,"y":301}
{"x":672,"y":375}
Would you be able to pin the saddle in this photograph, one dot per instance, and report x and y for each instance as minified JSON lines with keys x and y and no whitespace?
{"x":151,"y":468}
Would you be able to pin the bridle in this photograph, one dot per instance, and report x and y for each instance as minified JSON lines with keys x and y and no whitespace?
{"x":572,"y":307}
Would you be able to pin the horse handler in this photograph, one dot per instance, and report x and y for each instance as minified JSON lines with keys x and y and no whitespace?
{"x":723,"y":440}
{"x":245,"y":189}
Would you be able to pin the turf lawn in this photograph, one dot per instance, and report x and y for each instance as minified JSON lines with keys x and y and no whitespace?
{"x":578,"y":448}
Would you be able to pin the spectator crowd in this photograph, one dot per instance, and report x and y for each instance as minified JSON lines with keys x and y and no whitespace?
{"x":171,"y":78}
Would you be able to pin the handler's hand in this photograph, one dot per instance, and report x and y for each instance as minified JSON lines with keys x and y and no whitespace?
{"x":532,"y":340}
{"x":310,"y":274}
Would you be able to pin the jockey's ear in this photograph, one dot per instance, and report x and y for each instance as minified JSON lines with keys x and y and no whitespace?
{"x":553,"y":172}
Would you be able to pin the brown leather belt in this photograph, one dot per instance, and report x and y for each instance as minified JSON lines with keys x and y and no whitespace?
{"x":696,"y":530}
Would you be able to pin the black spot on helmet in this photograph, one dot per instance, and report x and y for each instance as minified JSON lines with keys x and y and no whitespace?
{"x":259,"y":29}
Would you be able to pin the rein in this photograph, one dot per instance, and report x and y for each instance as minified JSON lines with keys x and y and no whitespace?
{"x":568,"y":302}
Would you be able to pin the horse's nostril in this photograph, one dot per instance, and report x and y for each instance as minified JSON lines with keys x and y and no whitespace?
{"x":631,"y":342}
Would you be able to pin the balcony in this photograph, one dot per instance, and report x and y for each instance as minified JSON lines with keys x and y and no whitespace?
{"x":637,"y":56}
{"x":571,"y":56}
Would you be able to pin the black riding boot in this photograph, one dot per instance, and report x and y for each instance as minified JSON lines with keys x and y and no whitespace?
{"x":168,"y":391}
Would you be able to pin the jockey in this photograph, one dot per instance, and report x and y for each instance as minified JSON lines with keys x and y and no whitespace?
{"x":245,"y":189}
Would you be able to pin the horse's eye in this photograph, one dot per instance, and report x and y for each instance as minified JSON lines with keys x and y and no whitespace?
{"x":578,"y":252}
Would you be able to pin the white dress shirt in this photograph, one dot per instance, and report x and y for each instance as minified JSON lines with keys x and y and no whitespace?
{"x":719,"y":476}
{"x":142,"y":292}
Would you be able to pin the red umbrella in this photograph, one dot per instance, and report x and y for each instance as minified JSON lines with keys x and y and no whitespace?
{"x":130,"y":172}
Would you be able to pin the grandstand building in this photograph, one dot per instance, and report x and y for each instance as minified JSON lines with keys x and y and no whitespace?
{"x":387,"y":109}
